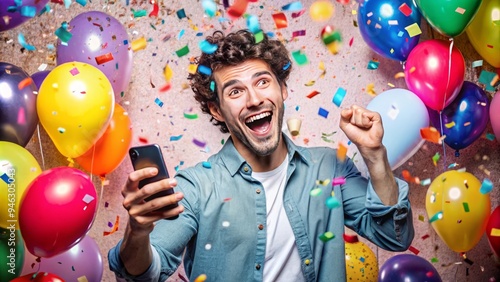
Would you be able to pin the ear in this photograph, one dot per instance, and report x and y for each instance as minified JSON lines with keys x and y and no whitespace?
{"x":215,"y":111}
{"x":284,"y":91}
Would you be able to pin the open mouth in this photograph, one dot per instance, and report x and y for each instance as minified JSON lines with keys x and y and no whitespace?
{"x":260,"y":122}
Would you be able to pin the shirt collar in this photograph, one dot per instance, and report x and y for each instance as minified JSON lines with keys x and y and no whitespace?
{"x":233,"y":160}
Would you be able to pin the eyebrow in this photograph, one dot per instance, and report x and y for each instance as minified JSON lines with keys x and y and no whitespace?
{"x":234,"y":81}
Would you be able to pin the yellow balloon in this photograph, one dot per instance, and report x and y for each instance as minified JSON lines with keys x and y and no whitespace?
{"x":360,"y":262}
{"x":484,"y":32}
{"x":75,"y":104}
{"x":321,"y":10}
{"x":457,"y":210}
{"x":17,"y":169}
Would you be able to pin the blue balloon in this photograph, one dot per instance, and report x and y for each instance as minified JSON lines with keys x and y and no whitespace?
{"x":38,"y":77}
{"x":403,"y":115}
{"x":408,"y":268}
{"x":383,"y":24}
{"x":465,"y":119}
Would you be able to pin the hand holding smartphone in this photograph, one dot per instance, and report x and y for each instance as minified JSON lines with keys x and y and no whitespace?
{"x":151,"y":156}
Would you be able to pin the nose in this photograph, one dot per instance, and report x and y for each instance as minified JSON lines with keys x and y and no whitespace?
{"x":254,"y":98}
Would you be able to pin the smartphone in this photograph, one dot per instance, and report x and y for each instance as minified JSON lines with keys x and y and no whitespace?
{"x":151,"y":156}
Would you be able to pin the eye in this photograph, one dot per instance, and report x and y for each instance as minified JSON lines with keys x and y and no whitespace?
{"x":262,"y":82}
{"x":234,"y":92}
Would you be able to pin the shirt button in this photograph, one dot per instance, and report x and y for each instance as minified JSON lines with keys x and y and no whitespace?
{"x":307,"y":262}
{"x":246,"y":169}
{"x":257,"y":266}
{"x":261,"y":226}
{"x":257,"y":191}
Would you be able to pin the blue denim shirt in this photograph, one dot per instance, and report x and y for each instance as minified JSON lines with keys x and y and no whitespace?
{"x":223,"y":227}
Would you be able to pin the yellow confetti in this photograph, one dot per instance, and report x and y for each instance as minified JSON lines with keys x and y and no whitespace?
{"x":450,"y":124}
{"x":168,"y":73}
{"x":354,"y":12}
{"x":495,"y":232}
{"x":390,"y":84}
{"x":139,"y":44}
{"x":83,"y":279}
{"x":322,"y":66}
{"x":370,"y":89}
{"x":310,"y":83}
{"x":192,"y":68}
{"x":341,"y":152}
{"x":201,"y":278}
{"x":400,"y":74}
{"x":413,"y":30}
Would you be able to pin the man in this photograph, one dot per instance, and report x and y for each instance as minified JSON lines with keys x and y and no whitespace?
{"x":250,"y":216}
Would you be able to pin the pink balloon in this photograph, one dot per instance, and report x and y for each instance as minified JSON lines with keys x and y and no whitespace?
{"x":84,"y":259}
{"x":56,"y":211}
{"x":494,"y":116}
{"x":434,"y":75}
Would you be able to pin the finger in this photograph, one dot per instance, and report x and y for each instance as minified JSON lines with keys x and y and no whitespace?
{"x":152,"y":217}
{"x":138,"y":175}
{"x":138,"y":196}
{"x":156,"y":205}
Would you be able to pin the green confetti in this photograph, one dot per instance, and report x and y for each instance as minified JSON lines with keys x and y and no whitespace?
{"x":139,"y":13}
{"x":300,"y":57}
{"x":435,"y":217}
{"x":436,"y":158}
{"x":434,"y":260}
{"x":183,"y":51}
{"x":327,"y":236}
{"x":191,"y":115}
{"x":315,"y":192}
{"x":332,"y":203}
{"x":466,"y":207}
{"x":259,"y":36}
{"x":372,"y":65}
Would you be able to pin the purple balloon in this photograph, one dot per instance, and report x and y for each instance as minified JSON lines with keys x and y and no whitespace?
{"x":469,"y":112}
{"x":13,"y":13}
{"x":100,"y":40}
{"x":18,"y":116}
{"x":38,"y":77}
{"x":408,"y":268}
{"x":84,"y":259}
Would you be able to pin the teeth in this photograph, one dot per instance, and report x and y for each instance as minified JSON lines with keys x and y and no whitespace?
{"x":257,"y":117}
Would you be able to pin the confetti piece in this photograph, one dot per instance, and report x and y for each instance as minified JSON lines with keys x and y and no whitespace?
{"x":61,"y":129}
{"x":28,"y":11}
{"x":327,"y":236}
{"x":373,"y":65}
{"x":437,"y":216}
{"x":316,"y":192}
{"x":181,"y":14}
{"x":165,"y":87}
{"x":298,"y":14}
{"x":466,"y":207}
{"x":486,"y":186}
{"x":478,"y":63}
{"x":413,"y":30}
{"x":207,"y":47}
{"x":175,"y":138}
{"x":206,"y":165}
{"x":115,"y":227}
{"x":450,"y":124}
{"x":460,"y":10}
{"x":413,"y":250}
{"x":430,"y":134}
{"x":485,"y":78}
{"x":139,"y":13}
{"x":426,"y":236}
{"x":237,"y":9}
{"x":298,"y":33}
{"x":143,"y":140}
{"x":341,"y":152}
{"x":405,"y":9}
{"x":204,"y":70}
{"x":300,"y":57}
{"x":393,"y":112}
{"x":104,"y":58}
{"x":201,"y":278}
{"x":22,"y":41}
{"x":82,"y":278}
{"x":310,"y":83}
{"x":88,"y":198}
{"x":280,"y":20}
{"x":421,"y":218}
{"x":156,"y":9}
{"x":339,"y":96}
{"x":183,"y":51}
{"x":495,"y":232}
{"x":490,"y":136}
{"x":5,"y":178}
{"x":312,"y":94}
{"x":192,"y":68}
{"x":209,"y":7}
{"x":425,"y":182}
{"x":322,"y":112}
{"x":259,"y":36}
{"x":338,"y":181}
{"x":253,"y":24}
{"x":190,"y":115}
{"x":212,"y":86}
{"x":436,"y":158}
{"x":370,"y":89}
{"x":139,"y":44}
{"x":158,"y":102}
{"x":199,"y":143}
{"x":24,"y":83}
{"x":332,"y":203}
{"x":434,"y":260}
{"x":294,"y":6}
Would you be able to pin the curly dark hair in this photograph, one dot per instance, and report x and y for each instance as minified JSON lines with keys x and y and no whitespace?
{"x":234,"y":49}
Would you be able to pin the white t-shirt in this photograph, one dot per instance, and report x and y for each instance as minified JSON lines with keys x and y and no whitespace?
{"x":282,"y":261}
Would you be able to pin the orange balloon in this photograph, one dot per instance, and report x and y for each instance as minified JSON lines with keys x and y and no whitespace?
{"x":110,"y":150}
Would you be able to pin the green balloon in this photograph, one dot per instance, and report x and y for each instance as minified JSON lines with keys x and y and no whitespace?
{"x":448,"y":17}
{"x":11,"y":254}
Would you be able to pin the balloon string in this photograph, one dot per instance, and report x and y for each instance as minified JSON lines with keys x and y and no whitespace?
{"x":442,"y":143}
{"x":92,"y":163}
{"x":444,"y":98}
{"x":41,"y":148}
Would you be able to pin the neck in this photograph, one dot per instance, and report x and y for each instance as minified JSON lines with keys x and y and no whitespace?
{"x":269,"y":162}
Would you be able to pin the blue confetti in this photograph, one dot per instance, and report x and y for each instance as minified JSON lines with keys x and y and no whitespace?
{"x":22,"y":41}
{"x":204,"y":70}
{"x":294,"y":6}
{"x":485,"y":78}
{"x":181,"y":33}
{"x":212,"y":86}
{"x":181,"y":14}
{"x":287,"y":66}
{"x":159,"y":102}
{"x":81,"y":2}
{"x":175,"y":138}
{"x":253,"y":24}
{"x":322,"y":112}
{"x":28,"y":11}
{"x":486,"y":186}
{"x":209,"y":7}
{"x":372,"y":65}
{"x":5,"y":178}
{"x":207,"y":165}
{"x":207,"y":47}
{"x":339,"y":96}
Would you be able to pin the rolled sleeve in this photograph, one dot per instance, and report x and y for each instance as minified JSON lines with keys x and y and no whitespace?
{"x":375,"y":206}
{"x":116,"y":265}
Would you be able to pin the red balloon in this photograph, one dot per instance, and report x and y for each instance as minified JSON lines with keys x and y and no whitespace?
{"x":434,"y":75}
{"x":493,"y":230}
{"x":38,"y":277}
{"x":56,"y":211}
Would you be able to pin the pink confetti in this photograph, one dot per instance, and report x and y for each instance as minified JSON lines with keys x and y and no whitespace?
{"x":74,"y":71}
{"x":338,"y":181}
{"x":21,"y":116}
